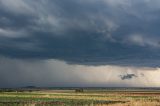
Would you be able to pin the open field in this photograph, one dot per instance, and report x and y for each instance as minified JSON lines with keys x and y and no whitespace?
{"x":88,"y":97}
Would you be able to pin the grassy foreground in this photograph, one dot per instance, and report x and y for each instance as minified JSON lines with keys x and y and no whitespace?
{"x":86,"y":98}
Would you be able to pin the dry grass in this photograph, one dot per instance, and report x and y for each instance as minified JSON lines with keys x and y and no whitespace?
{"x":70,"y":98}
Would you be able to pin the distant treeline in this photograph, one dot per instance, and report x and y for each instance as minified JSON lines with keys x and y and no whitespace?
{"x":18,"y":90}
{"x":79,"y":89}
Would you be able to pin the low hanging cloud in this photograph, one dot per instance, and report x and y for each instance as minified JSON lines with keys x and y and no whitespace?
{"x":55,"y":73}
{"x":84,"y":32}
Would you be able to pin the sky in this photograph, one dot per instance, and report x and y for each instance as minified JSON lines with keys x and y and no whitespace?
{"x":79,"y":43}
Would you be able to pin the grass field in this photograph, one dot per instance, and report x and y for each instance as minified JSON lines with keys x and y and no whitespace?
{"x":85,"y":98}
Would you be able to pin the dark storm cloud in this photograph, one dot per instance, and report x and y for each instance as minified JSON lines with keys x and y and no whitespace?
{"x":127,"y":76}
{"x":91,"y":32}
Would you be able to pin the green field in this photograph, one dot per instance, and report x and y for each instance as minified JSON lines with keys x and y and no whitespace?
{"x":85,"y":98}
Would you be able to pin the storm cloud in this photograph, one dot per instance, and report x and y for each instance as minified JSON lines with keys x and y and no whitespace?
{"x":91,"y":32}
{"x":79,"y":42}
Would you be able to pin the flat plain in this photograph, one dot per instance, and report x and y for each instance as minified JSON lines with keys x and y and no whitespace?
{"x":81,"y":97}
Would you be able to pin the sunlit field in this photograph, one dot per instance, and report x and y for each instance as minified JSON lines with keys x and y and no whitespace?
{"x":86,"y":97}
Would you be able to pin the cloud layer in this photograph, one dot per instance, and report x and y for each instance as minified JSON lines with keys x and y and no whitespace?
{"x":91,"y":32}
{"x":54,"y":73}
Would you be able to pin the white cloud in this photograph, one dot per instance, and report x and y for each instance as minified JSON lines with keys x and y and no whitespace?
{"x":139,"y":39}
{"x":12,"y":33}
{"x":16,"y":6}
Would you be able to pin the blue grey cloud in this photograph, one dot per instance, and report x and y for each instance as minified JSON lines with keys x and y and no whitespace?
{"x":91,"y":32}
